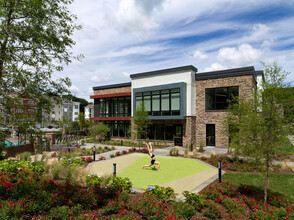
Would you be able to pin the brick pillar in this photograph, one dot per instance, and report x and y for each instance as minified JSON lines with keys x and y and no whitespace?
{"x":189,"y":131}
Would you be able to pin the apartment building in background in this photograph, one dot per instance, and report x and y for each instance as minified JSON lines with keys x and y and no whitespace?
{"x":184,"y":106}
{"x":69,"y":110}
{"x":89,"y":111}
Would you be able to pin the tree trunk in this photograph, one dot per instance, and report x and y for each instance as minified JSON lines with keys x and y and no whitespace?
{"x":266,"y":176}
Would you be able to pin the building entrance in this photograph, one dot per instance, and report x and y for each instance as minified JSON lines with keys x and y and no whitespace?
{"x":178,"y":135}
{"x":210,"y":135}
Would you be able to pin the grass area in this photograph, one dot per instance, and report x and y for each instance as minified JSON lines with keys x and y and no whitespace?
{"x":278,"y":183}
{"x":172,"y":168}
{"x":286,"y":148}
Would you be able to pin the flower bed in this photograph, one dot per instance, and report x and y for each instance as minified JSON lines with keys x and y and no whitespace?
{"x":25,"y":193}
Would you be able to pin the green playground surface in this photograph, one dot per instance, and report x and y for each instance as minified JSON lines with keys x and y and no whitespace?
{"x":172,"y":168}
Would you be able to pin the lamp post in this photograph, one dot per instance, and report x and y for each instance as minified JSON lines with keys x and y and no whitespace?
{"x":114,"y":170}
{"x":220,"y":171}
{"x":94,"y":152}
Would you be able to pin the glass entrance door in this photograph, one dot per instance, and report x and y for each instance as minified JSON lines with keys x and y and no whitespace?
{"x":210,"y":135}
{"x":178,"y":135}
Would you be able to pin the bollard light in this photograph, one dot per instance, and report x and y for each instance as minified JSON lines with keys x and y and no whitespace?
{"x":114,"y":170}
{"x":94,"y":152}
{"x":220,"y":171}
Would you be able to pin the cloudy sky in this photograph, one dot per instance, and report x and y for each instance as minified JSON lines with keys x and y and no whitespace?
{"x":122,"y":37}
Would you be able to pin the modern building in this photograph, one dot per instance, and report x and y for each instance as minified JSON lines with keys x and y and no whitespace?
{"x":89,"y":111}
{"x":70,"y":110}
{"x":184,"y":106}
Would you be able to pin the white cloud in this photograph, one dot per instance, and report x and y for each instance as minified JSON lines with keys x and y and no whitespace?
{"x":75,"y":90}
{"x":259,"y":32}
{"x":198,"y":55}
{"x":244,"y":55}
{"x":214,"y":67}
{"x":136,"y":16}
{"x":142,"y":50}
{"x":100,"y":78}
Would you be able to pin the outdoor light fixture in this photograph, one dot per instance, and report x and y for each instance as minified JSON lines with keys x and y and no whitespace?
{"x":94,"y":152}
{"x":114,"y":170}
{"x":220,"y":171}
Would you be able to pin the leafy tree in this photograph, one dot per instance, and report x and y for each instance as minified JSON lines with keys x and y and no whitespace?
{"x":35,"y":42}
{"x":99,"y":130}
{"x":259,"y":123}
{"x":63,"y":125}
{"x":140,"y":123}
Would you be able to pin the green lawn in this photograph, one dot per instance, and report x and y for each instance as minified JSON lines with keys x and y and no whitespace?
{"x":279,"y":183}
{"x":172,"y":168}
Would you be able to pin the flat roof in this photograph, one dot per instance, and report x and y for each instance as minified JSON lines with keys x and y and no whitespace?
{"x":249,"y":70}
{"x":150,"y":73}
{"x":119,"y":85}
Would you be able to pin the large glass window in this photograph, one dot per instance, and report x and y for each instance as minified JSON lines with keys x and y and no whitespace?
{"x":175,"y":101}
{"x":118,"y":128}
{"x":139,"y":99}
{"x":147,"y":101}
{"x":165,"y":98}
{"x":163,"y":102}
{"x":114,"y":107}
{"x":156,"y":103}
{"x":219,"y":98}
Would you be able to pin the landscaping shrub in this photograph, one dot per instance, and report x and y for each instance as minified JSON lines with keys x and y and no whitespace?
{"x":13,"y":167}
{"x":121,"y":183}
{"x":24,"y":156}
{"x":112,"y":155}
{"x":174,"y":151}
{"x":63,"y":212}
{"x":117,"y":153}
{"x":212,"y":211}
{"x":201,"y":147}
{"x":102,"y":158}
{"x":195,"y":200}
{"x":72,"y":161}
{"x":93,"y":180}
{"x":184,"y":210}
{"x":161,"y":193}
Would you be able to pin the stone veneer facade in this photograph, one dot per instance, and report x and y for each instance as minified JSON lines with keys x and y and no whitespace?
{"x":113,"y":90}
{"x":246,"y":85}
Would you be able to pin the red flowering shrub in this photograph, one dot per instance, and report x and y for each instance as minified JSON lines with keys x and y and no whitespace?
{"x":117,"y":153}
{"x":54,"y":154}
{"x":102,"y":158}
{"x":133,"y":149}
{"x":124,"y":152}
{"x":144,"y":150}
{"x":89,"y":159}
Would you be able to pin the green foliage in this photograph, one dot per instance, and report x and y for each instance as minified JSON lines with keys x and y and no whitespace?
{"x":212,"y":211}
{"x":35,"y":38}
{"x":201,"y":147}
{"x":93,"y":180}
{"x":184,"y":210}
{"x":121,"y":183}
{"x":99,"y":130}
{"x":161,"y":193}
{"x":259,"y":123}
{"x":195,"y":200}
{"x":63,"y":212}
{"x":24,"y":156}
{"x":174,"y":151}
{"x":13,"y":167}
{"x":72,"y":161}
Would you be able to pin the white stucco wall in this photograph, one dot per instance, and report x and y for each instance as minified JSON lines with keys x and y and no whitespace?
{"x":187,"y":76}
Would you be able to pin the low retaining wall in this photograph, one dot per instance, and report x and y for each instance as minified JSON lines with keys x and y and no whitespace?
{"x":14,"y":150}
{"x":62,"y":147}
